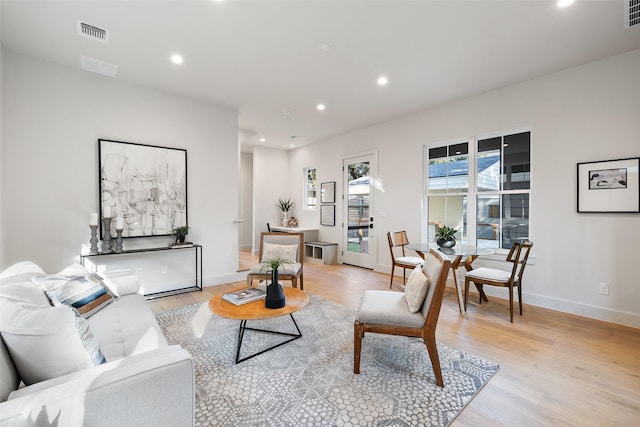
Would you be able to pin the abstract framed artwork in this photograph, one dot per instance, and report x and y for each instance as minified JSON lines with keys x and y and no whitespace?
{"x":146,"y":185}
{"x":328,"y":215}
{"x":609,"y":186}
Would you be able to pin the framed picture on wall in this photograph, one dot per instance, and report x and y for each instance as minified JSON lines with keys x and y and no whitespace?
{"x":145,"y":185}
{"x":328,"y":192}
{"x":328,"y":215}
{"x":609,"y":186}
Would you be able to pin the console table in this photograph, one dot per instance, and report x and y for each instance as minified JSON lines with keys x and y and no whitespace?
{"x":198,"y":267}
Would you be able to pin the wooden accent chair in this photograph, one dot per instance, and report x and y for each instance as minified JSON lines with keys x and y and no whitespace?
{"x":399,"y":239}
{"x":280,"y":245}
{"x":518,"y":256}
{"x":387,"y":312}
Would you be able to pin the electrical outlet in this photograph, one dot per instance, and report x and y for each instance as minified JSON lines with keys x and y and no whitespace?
{"x":604,"y":289}
{"x":163,"y":269}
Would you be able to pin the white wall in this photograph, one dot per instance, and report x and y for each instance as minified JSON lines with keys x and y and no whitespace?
{"x":587,"y":113}
{"x":54,"y":117}
{"x":246,"y":201}
{"x":270,"y":182}
{"x":2,"y":156}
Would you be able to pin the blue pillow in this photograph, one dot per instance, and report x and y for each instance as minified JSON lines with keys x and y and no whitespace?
{"x":85,"y":293}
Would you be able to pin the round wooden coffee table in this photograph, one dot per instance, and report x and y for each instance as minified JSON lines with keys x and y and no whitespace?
{"x":295,"y":299}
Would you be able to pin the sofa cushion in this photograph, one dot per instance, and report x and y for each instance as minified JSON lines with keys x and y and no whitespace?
{"x":86,"y":293}
{"x":20,"y":271}
{"x":46,"y":342}
{"x":126,"y":327}
{"x":24,"y":291}
{"x":416,"y":289}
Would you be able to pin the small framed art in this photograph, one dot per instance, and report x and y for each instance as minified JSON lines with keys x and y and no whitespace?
{"x":609,"y":186}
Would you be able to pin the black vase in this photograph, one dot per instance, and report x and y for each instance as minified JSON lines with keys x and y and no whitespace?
{"x":446,"y":243}
{"x":275,"y":293}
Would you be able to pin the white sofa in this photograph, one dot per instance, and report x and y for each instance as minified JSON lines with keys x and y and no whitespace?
{"x":143,"y":381}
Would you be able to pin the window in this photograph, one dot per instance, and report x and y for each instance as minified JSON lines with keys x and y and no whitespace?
{"x":495,"y":174}
{"x":309,"y":189}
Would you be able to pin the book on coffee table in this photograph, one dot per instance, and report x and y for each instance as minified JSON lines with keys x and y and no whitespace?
{"x":243,"y":296}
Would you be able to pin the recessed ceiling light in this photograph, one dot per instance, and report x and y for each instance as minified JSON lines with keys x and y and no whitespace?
{"x":324,"y":46}
{"x":565,"y":3}
{"x":176,"y":59}
{"x":382,"y":81}
{"x":263,"y":139}
{"x":320,"y":107}
{"x":292,"y":145}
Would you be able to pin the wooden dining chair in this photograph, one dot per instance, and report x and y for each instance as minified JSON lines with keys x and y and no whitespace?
{"x":399,"y":239}
{"x":518,"y":256}
{"x":398,"y":313}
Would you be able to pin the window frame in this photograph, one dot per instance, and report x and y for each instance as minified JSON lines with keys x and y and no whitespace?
{"x":472,"y":194}
{"x":305,"y":188}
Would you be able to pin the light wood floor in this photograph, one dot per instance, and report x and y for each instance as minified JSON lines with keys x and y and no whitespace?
{"x":556,"y":369}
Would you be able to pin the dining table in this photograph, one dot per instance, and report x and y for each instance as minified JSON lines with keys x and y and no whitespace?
{"x":459,"y":254}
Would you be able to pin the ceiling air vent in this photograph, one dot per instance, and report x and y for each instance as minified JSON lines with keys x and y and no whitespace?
{"x":632,"y":13}
{"x":92,"y":32}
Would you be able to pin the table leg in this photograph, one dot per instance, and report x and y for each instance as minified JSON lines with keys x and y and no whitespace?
{"x":454,"y":268}
{"x":243,"y":328}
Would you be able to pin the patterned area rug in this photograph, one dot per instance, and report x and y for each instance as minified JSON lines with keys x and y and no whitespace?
{"x":310,"y":381}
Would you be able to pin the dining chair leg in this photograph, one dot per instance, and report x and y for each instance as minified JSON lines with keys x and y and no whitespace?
{"x":520,"y":297}
{"x":466,"y":292}
{"x":358,"y":333}
{"x":511,"y":302}
{"x":393,"y":268}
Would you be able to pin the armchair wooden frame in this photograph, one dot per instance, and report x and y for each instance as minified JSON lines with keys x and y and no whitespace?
{"x":431,"y":313}
{"x":282,"y":238}
{"x":400,"y":239}
{"x":518,"y":256}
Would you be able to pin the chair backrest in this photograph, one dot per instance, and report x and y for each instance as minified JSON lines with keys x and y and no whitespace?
{"x":397,"y":238}
{"x":518,"y":255}
{"x":436,"y":268}
{"x":283,"y":239}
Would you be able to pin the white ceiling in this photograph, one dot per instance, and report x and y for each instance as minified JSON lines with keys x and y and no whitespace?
{"x":261,"y":57}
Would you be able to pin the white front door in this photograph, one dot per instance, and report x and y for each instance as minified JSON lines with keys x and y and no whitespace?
{"x":358,"y":237}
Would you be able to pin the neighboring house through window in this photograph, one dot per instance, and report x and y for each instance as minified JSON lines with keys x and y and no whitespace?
{"x":495,"y":174}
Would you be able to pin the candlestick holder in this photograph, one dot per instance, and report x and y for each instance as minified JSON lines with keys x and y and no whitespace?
{"x":106,"y":240}
{"x":94,"y":240}
{"x":118,"y":241}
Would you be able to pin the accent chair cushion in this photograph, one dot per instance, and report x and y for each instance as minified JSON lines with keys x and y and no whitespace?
{"x":273,"y":251}
{"x":416,"y":289}
{"x":46,"y":342}
{"x":489,"y":274}
{"x":85,"y":291}
{"x":387,"y":308}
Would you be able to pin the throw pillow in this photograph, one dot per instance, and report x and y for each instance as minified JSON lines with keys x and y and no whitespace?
{"x":416,"y":289}
{"x":46,"y":342}
{"x":273,"y":251}
{"x":86,"y":293}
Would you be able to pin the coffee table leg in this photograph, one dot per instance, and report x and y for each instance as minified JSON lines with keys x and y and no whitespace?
{"x":243,"y":328}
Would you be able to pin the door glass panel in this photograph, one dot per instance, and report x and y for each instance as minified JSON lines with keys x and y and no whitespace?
{"x":358,"y":208}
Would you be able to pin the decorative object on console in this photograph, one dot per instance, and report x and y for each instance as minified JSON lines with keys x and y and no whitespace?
{"x":293,"y":223}
{"x":181,"y":233}
{"x":106,"y":239}
{"x":93,"y":224}
{"x":285,"y":207}
{"x":275,"y":294}
{"x":446,"y":236}
{"x":147,"y":182}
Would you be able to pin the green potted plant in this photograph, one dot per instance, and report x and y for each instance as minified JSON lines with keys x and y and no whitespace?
{"x":275,"y":293}
{"x":285,"y":207}
{"x":446,"y":236}
{"x":181,"y":233}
